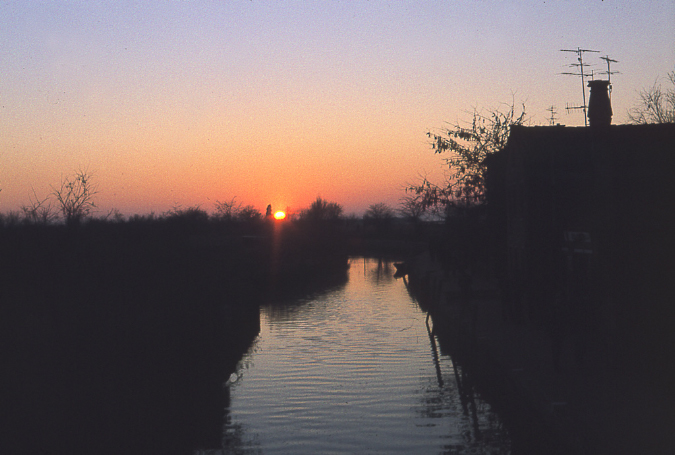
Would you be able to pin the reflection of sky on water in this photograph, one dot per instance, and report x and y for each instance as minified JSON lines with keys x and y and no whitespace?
{"x":353,"y":370}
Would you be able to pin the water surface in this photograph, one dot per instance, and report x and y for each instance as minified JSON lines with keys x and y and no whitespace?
{"x":354,"y":370}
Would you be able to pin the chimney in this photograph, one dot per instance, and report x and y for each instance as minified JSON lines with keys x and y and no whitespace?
{"x":599,"y":105}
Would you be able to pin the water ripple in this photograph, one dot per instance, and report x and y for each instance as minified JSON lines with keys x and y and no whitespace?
{"x":352,"y":371}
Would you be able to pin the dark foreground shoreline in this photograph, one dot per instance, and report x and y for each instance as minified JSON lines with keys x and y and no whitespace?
{"x":117,"y":338}
{"x":598,"y":406}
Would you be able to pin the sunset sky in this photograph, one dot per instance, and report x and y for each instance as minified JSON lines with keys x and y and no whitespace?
{"x":184,"y":103}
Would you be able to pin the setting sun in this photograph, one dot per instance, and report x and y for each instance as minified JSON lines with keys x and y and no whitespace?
{"x":279,"y":215}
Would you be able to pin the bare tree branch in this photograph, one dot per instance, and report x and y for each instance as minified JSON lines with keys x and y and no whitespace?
{"x":75,"y":196}
{"x":656,"y":104}
{"x":39,"y":211}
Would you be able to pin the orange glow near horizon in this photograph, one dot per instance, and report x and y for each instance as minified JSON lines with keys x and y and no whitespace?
{"x":171,"y":104}
{"x":280,"y":215}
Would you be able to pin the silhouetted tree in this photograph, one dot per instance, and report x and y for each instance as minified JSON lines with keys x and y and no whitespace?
{"x":656,"y":104}
{"x":190,"y":215}
{"x":39,"y":211}
{"x":114,"y":215}
{"x":380,"y":215}
{"x":322,"y":210}
{"x":249,"y":214}
{"x":75,"y":196}
{"x":411,"y":206}
{"x":466,"y":148}
{"x":228,"y":210}
{"x":379,"y":212}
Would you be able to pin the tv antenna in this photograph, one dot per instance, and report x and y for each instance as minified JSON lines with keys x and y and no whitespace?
{"x":553,"y":117}
{"x":609,"y":72}
{"x":580,"y":65}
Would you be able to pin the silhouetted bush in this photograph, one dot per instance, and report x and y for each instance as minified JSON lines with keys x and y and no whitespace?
{"x":118,"y":335}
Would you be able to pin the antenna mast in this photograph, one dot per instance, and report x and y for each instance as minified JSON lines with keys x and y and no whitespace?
{"x":580,"y":59}
{"x":609,"y":73}
{"x":553,"y":117}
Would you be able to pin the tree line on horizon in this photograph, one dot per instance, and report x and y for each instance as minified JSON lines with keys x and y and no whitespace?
{"x":464,"y":148}
{"x":73,"y":202}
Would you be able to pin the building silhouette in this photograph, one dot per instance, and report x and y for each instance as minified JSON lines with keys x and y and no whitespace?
{"x":588,"y":217}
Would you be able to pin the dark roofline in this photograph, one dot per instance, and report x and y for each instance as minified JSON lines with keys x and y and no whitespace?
{"x":522,"y":132}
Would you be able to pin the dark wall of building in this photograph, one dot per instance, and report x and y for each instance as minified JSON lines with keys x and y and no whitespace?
{"x":614,"y":187}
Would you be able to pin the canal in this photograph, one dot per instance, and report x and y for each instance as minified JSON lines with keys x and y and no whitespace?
{"x":354,"y":369}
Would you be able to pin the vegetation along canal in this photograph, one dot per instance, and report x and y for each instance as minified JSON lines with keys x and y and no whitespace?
{"x":354,"y":370}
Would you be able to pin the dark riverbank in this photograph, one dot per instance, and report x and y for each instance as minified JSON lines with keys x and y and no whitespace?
{"x":117,"y":337}
{"x":593,"y":407}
